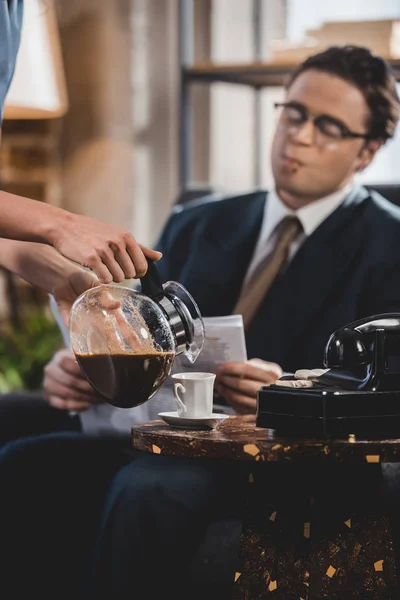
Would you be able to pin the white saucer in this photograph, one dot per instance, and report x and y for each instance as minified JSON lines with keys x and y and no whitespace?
{"x":172,"y":418}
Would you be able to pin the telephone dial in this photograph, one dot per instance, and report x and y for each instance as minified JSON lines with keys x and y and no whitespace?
{"x":356,"y":392}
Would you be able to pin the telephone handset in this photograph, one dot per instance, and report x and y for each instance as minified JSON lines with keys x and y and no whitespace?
{"x":364,"y":355}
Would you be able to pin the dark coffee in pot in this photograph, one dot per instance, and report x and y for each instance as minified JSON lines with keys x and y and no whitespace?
{"x":126,"y":380}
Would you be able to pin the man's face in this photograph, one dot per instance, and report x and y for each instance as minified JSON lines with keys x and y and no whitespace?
{"x":306,"y":164}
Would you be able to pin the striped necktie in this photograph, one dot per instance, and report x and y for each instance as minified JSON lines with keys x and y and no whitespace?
{"x":255,"y":290}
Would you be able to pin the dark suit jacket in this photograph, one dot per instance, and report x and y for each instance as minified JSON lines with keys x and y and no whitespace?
{"x":347,"y":269}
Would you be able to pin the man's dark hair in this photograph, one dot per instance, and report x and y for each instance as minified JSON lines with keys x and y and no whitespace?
{"x":371,"y":74}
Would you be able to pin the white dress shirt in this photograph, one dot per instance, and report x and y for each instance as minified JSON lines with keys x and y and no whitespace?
{"x":310,"y":216}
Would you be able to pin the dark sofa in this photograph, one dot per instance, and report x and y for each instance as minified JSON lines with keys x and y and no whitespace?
{"x":390,"y":191}
{"x":197,"y":195}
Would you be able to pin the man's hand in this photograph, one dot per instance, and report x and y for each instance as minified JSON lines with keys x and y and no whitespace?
{"x":64,"y":385}
{"x":10,"y":35}
{"x":239,"y":382}
{"x":109,"y":251}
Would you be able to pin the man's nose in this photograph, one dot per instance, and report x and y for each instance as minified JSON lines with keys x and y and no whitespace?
{"x":303,"y":134}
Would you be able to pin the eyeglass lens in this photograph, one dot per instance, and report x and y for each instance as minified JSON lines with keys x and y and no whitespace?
{"x":295,"y":116}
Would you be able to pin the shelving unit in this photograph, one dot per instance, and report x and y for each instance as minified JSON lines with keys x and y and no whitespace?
{"x":212,"y":73}
{"x":256,"y":75}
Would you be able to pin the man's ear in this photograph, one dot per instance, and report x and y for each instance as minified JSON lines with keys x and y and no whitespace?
{"x":368,"y":152}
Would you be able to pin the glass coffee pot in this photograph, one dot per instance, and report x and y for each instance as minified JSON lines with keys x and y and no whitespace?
{"x":126,"y":341}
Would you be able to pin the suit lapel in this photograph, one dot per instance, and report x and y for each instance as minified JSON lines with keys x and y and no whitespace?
{"x":324,"y":260}
{"x":223,"y":249}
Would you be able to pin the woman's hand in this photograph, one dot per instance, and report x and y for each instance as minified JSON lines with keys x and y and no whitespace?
{"x":69,"y":288}
{"x":111,"y":252}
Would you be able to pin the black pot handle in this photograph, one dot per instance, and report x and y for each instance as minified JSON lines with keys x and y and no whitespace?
{"x":151,"y":282}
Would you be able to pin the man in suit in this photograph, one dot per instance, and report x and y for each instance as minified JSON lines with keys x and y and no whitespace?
{"x":340,"y":263}
{"x":339,"y":267}
{"x":337,"y":264}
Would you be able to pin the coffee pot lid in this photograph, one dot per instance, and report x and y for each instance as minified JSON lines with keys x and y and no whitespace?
{"x":180,"y":309}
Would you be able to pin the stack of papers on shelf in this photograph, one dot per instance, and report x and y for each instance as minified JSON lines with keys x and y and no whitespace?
{"x":381,"y":37}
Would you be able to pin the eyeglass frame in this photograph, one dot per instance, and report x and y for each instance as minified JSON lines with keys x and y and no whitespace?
{"x":346,"y":133}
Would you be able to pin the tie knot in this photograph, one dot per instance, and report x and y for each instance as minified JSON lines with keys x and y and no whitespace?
{"x":288,"y":229}
{"x":290,"y":222}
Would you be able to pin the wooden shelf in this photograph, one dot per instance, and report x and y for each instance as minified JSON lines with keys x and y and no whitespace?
{"x":253,"y":74}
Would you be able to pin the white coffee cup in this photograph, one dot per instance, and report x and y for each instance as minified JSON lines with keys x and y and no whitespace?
{"x":194,"y":394}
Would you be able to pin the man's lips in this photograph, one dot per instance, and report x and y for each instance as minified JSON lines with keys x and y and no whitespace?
{"x":291,"y":162}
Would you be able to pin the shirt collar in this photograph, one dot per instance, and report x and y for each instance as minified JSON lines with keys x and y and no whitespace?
{"x":310,"y":216}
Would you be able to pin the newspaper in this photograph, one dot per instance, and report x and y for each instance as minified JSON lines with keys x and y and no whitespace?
{"x":224,"y":342}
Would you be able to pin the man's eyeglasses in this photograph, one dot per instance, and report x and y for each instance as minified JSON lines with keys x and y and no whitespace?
{"x":295,"y":115}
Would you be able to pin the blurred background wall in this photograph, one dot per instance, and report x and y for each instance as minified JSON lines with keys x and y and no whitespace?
{"x":118,"y":142}
{"x":114,"y":154}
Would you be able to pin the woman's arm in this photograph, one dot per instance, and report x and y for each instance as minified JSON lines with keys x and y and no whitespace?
{"x":110,"y":251}
{"x":38,"y":264}
{"x":44,"y":267}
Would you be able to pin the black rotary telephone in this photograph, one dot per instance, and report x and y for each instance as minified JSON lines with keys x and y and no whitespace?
{"x":357,"y":391}
{"x":365,"y":355}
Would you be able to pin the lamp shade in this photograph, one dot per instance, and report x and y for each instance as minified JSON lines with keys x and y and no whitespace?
{"x":38,"y":89}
